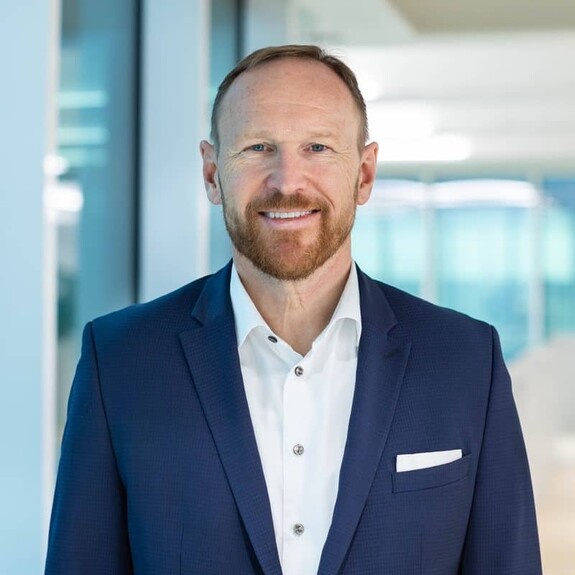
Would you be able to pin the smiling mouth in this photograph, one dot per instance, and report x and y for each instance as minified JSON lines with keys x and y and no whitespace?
{"x":288,"y":215}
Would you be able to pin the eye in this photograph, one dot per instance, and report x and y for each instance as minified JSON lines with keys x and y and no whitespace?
{"x":258,"y":148}
{"x":318,"y":148}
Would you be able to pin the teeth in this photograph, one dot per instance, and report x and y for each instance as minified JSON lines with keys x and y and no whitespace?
{"x":287,"y":215}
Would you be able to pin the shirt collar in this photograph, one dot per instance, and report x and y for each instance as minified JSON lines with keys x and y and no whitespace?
{"x":348,"y":306}
{"x":247,"y":317}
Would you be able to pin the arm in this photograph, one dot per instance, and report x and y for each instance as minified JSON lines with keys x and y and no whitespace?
{"x":502,"y":532}
{"x":88,"y":529}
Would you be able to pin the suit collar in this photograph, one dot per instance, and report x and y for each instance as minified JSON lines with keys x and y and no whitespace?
{"x":375,"y":309}
{"x":211,"y":352}
{"x":214,"y":300}
{"x":382,"y":359}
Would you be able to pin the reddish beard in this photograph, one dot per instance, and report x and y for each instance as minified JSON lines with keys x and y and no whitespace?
{"x":282,"y":253}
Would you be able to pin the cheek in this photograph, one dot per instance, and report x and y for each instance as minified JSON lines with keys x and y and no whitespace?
{"x":340,"y":184}
{"x":341,"y":170}
{"x":237,"y":190}
{"x":241,"y":176}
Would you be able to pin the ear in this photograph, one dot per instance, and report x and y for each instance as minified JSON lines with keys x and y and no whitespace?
{"x":210,"y":170}
{"x":367,"y":172}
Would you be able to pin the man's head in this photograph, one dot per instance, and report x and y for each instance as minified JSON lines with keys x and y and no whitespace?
{"x":290,"y":162}
{"x":303,"y":51}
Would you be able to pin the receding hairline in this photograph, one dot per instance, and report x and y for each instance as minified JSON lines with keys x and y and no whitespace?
{"x":309,"y":53}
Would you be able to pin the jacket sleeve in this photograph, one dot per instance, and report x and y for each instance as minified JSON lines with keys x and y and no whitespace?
{"x":88,"y":528}
{"x":502,"y":532}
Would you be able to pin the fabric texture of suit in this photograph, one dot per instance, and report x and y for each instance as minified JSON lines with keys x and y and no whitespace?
{"x":160,"y":473}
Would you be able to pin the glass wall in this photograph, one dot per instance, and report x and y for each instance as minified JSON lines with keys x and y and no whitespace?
{"x":483,"y":267}
{"x":558,"y":257}
{"x":498,"y":250}
{"x":390,"y":239}
{"x":95,"y":205}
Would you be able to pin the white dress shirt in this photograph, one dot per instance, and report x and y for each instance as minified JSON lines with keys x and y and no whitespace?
{"x":300,"y":408}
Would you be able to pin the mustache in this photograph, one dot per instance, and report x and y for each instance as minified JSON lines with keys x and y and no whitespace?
{"x":280,"y":202}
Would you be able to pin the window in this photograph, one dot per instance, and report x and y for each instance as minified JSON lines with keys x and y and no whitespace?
{"x":95,"y":204}
{"x":498,"y":250}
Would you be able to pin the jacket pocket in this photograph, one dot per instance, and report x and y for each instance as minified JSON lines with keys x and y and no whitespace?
{"x":431,"y":477}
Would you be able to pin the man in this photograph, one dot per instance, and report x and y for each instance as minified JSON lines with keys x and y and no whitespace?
{"x":289,"y":414}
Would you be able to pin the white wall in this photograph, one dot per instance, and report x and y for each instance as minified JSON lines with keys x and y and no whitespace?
{"x":27,"y":55}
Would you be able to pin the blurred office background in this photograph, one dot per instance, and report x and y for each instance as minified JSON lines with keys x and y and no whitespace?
{"x":102,"y":106}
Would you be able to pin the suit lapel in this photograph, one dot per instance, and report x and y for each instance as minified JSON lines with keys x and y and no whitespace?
{"x":211,"y":352}
{"x":382,"y":359}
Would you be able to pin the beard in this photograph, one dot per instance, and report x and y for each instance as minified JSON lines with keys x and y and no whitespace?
{"x":283,"y":254}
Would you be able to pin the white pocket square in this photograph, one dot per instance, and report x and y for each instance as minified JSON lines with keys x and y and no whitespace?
{"x":412,"y":461}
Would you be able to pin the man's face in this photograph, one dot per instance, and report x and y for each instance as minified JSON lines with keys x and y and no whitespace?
{"x":289,"y":171}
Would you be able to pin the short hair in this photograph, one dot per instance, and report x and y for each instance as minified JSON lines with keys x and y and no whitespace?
{"x":303,"y":51}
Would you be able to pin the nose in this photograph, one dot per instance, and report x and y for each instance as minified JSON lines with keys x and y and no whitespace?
{"x":287,"y":174}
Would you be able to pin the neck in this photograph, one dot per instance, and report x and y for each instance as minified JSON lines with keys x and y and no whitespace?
{"x":299,"y":310}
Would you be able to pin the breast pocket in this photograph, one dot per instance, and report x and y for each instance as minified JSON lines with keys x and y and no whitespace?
{"x":431,"y":477}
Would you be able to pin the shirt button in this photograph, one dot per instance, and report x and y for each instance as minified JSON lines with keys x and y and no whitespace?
{"x":298,"y":370}
{"x":298,"y":529}
{"x":298,"y":449}
{"x":273,"y":339}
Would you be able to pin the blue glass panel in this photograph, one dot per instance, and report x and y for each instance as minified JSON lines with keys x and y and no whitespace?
{"x":389,"y":246}
{"x":483,"y":268}
{"x":559,"y":258}
{"x":97,"y":143}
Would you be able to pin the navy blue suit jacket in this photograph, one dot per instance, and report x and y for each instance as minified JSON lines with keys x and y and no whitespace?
{"x":160,"y":473}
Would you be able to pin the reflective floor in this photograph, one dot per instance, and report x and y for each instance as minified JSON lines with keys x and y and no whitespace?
{"x":557,"y":523}
{"x":544,"y":388}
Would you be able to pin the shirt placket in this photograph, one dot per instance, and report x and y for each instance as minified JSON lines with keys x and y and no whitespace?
{"x":295,"y":440}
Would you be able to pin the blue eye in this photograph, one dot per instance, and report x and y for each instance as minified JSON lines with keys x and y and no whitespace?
{"x":258,"y":148}
{"x":318,"y":148}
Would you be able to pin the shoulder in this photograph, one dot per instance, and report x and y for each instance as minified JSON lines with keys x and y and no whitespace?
{"x":174,"y":303}
{"x":445,"y":345}
{"x":408,"y":307}
{"x":422,"y":320}
{"x":170,"y":313}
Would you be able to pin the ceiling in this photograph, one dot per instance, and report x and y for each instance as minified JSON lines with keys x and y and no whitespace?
{"x":496,"y":75}
{"x":462,"y":16}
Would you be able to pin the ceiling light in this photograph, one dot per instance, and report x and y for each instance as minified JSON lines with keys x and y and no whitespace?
{"x":440,"y":148}
{"x":400,"y":121}
{"x":64,"y":197}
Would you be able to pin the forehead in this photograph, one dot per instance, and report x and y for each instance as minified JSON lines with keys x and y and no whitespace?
{"x":298,"y":73}
{"x":287,"y":87}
